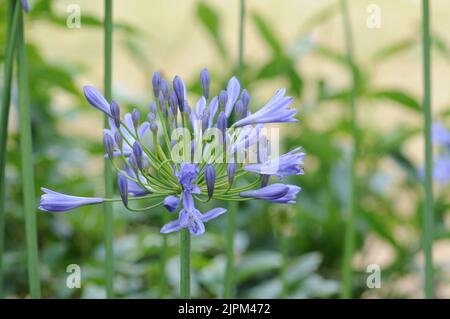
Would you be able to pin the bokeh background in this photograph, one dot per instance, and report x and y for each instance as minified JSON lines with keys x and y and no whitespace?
{"x":297,"y":44}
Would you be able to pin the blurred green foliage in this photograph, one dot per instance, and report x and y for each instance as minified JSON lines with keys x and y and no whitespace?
{"x":313,"y":227}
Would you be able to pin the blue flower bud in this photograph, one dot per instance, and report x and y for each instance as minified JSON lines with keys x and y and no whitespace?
{"x":153,"y":108}
{"x":164,"y":88}
{"x":122,"y":184}
{"x":171,"y":203}
{"x":173,"y":103}
{"x":162,"y":103}
{"x":154,"y":127}
{"x":205,"y":81}
{"x":138,"y":155}
{"x":118,"y":139}
{"x":156,"y":81}
{"x":108,"y":143}
{"x":178,"y":87}
{"x":151,"y":117}
{"x":231,"y":172}
{"x":205,"y":119}
{"x":223,"y":98}
{"x":222,"y":121}
{"x":245,"y":98}
{"x":239,"y":109}
{"x":135,"y":116}
{"x":210,"y":178}
{"x":115,"y":113}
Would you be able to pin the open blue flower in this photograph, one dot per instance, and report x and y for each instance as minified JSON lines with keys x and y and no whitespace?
{"x":193,"y":220}
{"x":275,"y":111}
{"x":276,"y":193}
{"x":284,"y":165}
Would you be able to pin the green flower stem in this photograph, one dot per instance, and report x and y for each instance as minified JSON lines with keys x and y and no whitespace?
{"x":164,"y":248}
{"x":108,"y":209}
{"x":185,"y":263}
{"x":229,"y":270}
{"x":349,"y":237}
{"x":228,"y":288}
{"x":241,"y":42}
{"x":428,"y":218}
{"x":13,"y":14}
{"x":26,"y":160}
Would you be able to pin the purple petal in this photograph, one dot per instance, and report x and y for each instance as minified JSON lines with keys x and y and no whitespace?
{"x":171,"y":227}
{"x":213,"y":213}
{"x":96,"y":99}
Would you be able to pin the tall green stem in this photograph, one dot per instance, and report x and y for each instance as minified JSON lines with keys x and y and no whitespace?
{"x":13,"y":14}
{"x":229,"y":268}
{"x":349,"y":239}
{"x":185,"y":263}
{"x":164,"y":249}
{"x":428,"y":218}
{"x":108,"y":210}
{"x":26,"y":160}
{"x":228,"y":288}
{"x":241,"y":42}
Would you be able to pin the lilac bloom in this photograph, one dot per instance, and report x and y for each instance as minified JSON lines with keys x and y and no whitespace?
{"x":284,"y":165}
{"x":193,"y":220}
{"x":171,"y":203}
{"x":275,"y":111}
{"x":186,"y":177}
{"x":25,"y":6}
{"x":276,"y":193}
{"x":233,"y":90}
{"x":53,"y":201}
{"x":96,"y":99}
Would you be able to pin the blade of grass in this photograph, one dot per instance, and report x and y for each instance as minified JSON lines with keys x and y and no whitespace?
{"x":13,"y":14}
{"x":428,"y":218}
{"x":26,"y":160}
{"x":349,"y":237}
{"x":108,"y":210}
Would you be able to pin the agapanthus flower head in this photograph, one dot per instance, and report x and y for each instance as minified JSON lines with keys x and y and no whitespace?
{"x":185,"y":152}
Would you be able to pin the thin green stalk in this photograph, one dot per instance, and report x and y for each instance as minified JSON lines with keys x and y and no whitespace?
{"x":164,"y":248}
{"x":428,"y":218}
{"x":26,"y":160}
{"x":228,"y":288}
{"x":349,"y":237}
{"x":108,"y":210}
{"x":231,"y":232}
{"x":284,"y":249}
{"x":13,"y":14}
{"x":241,"y":42}
{"x":185,"y":263}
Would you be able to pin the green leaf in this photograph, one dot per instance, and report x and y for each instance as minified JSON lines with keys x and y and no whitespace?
{"x":210,"y":20}
{"x":398,"y":96}
{"x":398,"y":47}
{"x":318,"y":18}
{"x":266,"y":32}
